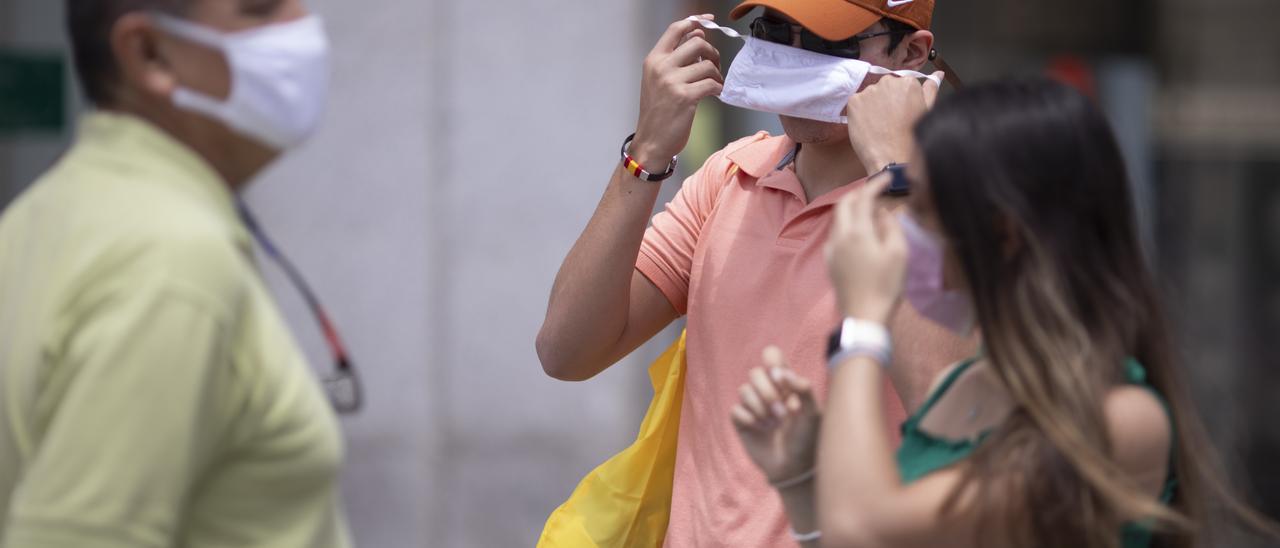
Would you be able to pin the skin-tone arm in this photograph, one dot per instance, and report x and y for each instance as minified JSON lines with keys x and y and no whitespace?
{"x":880,"y":121}
{"x":601,"y":308}
{"x":861,"y":500}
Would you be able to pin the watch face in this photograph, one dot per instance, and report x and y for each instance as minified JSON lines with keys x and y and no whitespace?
{"x":899,"y":185}
{"x":833,"y":343}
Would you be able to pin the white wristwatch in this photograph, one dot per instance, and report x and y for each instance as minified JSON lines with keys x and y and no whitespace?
{"x":857,"y":337}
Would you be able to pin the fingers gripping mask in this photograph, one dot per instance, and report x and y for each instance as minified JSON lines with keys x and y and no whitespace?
{"x":279,"y":79}
{"x":778,"y":79}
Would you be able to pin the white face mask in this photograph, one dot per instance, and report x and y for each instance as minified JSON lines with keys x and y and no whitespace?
{"x":279,"y":79}
{"x":795,"y":82}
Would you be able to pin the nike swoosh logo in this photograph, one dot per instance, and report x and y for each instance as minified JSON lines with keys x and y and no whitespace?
{"x":896,"y":3}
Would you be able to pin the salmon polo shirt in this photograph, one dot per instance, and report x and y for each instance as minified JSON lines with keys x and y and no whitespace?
{"x":739,"y":251}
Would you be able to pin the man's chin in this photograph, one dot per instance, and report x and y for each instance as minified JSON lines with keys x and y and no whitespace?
{"x":806,"y":131}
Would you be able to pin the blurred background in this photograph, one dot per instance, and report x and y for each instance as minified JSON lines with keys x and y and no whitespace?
{"x":468,"y":142}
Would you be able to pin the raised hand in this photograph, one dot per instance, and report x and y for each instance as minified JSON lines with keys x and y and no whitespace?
{"x":866,"y":255}
{"x":882,"y":115}
{"x":682,"y":69}
{"x":778,"y":420}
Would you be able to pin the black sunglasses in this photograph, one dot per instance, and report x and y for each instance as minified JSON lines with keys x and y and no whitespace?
{"x":784,"y":32}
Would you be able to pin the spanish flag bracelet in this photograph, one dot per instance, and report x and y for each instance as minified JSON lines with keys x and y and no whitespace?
{"x":636,"y":169}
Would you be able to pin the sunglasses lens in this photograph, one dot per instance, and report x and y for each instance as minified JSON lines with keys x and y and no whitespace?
{"x":778,"y":32}
{"x":845,"y":48}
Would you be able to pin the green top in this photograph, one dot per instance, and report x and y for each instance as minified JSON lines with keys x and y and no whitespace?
{"x":151,"y":393}
{"x":922,"y":453}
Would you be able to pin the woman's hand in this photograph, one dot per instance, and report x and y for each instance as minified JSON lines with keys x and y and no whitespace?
{"x":778,"y":419}
{"x":866,"y":255}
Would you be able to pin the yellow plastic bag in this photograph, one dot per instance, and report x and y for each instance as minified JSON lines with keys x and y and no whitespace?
{"x":626,"y":502}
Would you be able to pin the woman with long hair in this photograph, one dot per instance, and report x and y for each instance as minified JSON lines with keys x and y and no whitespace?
{"x":1072,"y":425}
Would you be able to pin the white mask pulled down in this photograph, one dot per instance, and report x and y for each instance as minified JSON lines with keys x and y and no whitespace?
{"x":279,"y":79}
{"x":778,"y":79}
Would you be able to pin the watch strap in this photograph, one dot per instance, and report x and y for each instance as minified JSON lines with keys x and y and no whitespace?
{"x":856,"y":337}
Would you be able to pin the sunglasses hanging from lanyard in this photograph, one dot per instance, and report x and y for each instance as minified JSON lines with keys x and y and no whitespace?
{"x":343,"y":386}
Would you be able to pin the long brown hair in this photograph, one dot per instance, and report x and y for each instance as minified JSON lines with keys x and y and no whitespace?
{"x":1034,"y":162}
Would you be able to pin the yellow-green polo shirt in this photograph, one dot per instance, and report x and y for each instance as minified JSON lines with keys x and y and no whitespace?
{"x":150,"y":393}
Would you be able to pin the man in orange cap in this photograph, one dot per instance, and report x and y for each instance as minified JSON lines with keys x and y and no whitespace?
{"x":739,"y":251}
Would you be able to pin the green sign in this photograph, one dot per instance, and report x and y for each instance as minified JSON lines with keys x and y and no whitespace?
{"x":32,"y":92}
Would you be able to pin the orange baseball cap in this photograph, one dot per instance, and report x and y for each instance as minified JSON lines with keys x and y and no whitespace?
{"x":840,"y":19}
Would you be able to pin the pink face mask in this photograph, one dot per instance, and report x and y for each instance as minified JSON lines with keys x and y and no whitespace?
{"x":923,"y":287}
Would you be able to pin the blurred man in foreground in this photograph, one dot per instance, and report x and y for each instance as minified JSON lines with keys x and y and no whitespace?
{"x":152,"y":395}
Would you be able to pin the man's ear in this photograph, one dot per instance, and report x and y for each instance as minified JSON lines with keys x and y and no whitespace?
{"x":138,"y":47}
{"x":914,"y":50}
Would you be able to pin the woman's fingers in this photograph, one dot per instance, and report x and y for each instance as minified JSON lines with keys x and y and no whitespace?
{"x":772,"y":394}
{"x":800,"y":392}
{"x":843,"y":224}
{"x":743,"y":418}
{"x":865,"y":202}
{"x":890,"y":232}
{"x":795,"y":392}
{"x":854,"y":212}
{"x":752,"y":401}
{"x":775,"y":362}
{"x":769,"y":395}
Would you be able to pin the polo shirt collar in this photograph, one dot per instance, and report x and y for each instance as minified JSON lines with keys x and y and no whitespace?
{"x":761,"y":158}
{"x":765,"y":162}
{"x":129,"y":143}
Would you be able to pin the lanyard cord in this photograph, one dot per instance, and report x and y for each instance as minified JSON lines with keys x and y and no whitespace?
{"x":350,"y":399}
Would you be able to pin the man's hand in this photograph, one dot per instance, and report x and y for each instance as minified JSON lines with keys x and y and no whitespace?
{"x":778,"y":419}
{"x":881,"y":117}
{"x":682,"y":69}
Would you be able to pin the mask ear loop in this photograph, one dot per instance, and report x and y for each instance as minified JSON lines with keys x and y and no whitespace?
{"x":712,"y":26}
{"x":951,"y":76}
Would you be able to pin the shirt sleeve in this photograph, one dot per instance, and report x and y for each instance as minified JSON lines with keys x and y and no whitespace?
{"x":666,"y":254}
{"x":138,"y":400}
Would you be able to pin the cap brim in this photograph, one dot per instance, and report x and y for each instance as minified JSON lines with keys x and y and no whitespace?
{"x":830,"y":19}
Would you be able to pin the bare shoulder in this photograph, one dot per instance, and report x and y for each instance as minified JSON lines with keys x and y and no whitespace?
{"x":1140,"y":433}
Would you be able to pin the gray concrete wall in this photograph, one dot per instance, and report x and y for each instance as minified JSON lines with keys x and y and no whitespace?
{"x":466,"y":146}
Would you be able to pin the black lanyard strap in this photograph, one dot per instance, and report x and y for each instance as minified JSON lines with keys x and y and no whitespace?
{"x":344,"y":387}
